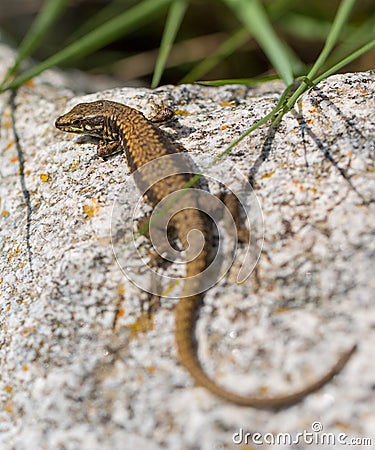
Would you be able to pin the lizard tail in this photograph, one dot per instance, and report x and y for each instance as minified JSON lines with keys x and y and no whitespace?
{"x":186,"y":314}
{"x":186,"y":345}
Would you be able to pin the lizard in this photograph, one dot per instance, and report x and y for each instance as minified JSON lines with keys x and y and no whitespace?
{"x":122,"y":128}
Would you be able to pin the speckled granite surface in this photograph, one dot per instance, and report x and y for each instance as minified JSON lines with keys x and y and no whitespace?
{"x":88,"y":360}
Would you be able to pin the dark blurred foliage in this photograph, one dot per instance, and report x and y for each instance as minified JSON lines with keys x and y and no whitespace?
{"x":205,"y":26}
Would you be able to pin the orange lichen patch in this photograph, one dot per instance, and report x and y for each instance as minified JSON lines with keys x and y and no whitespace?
{"x":350,"y":154}
{"x":8,"y":307}
{"x":268,"y":174}
{"x":364,"y":92}
{"x":313,"y":110}
{"x":263,"y":390}
{"x":8,"y":388}
{"x":93,"y":208}
{"x":7,"y":124}
{"x":27,"y":331}
{"x":144,"y":323}
{"x":4,"y":213}
{"x":44,"y":177}
{"x":224,"y":127}
{"x":294,"y":182}
{"x":9,"y":145}
{"x":14,"y":159}
{"x":14,"y":253}
{"x":301,"y":188}
{"x":121,"y":312}
{"x":30,"y":82}
{"x":228,"y":104}
{"x":151,"y":369}
{"x":181,"y":112}
{"x":25,"y":368}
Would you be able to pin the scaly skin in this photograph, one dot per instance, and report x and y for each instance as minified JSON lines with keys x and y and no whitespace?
{"x":120,"y":127}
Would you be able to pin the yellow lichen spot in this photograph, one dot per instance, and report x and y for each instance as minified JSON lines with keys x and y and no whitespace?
{"x":93,"y":208}
{"x":224,"y":127}
{"x":268,"y":174}
{"x":14,"y":253}
{"x":74,"y":165}
{"x":231,"y":104}
{"x":151,"y":369}
{"x":9,"y":145}
{"x":25,"y":368}
{"x":342,"y":425}
{"x":8,"y":388}
{"x":121,"y":289}
{"x":8,"y":408}
{"x":281,"y":310}
{"x":181,"y":112}
{"x":4,"y":213}
{"x":169,"y":288}
{"x":30,"y":83}
{"x":14,"y":159}
{"x":144,"y":323}
{"x":44,"y":177}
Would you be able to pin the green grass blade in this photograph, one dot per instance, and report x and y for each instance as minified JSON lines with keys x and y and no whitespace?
{"x":252,"y":14}
{"x":245,"y":81}
{"x":337,"y":26}
{"x":345,"y":61}
{"x":103,"y":35}
{"x":174,"y":19}
{"x":225,"y":49}
{"x":355,"y":38}
{"x":47,"y":16}
{"x":304,"y":27}
{"x":341,"y":18}
{"x":114,"y":8}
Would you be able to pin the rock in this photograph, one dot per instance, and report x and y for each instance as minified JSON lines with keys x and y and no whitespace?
{"x":88,"y":359}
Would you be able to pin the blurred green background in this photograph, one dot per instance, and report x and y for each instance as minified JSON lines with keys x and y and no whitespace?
{"x":206,"y":25}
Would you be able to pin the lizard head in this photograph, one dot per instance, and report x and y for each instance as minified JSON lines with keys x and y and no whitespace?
{"x":86,"y":118}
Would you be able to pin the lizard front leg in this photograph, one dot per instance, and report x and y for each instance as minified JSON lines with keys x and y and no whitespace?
{"x":108,"y":148}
